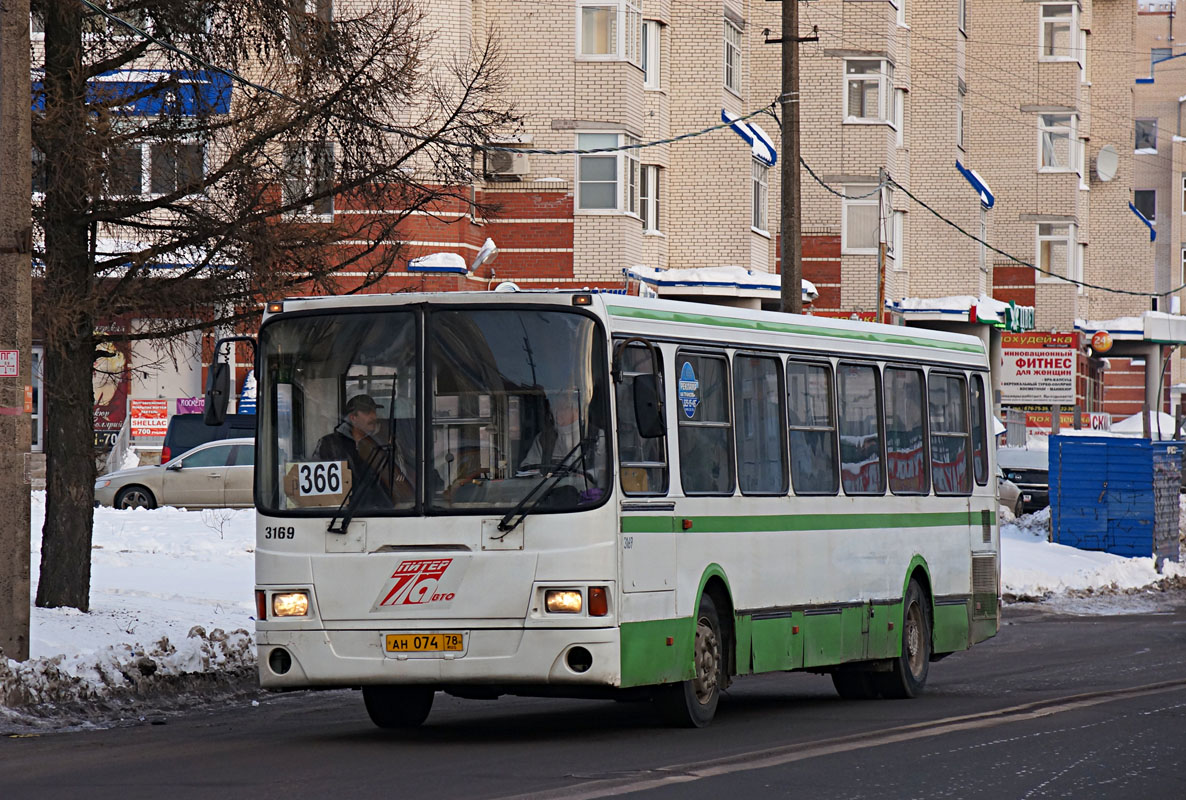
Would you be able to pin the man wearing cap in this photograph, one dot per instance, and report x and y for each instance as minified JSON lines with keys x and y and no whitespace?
{"x":352,"y":441}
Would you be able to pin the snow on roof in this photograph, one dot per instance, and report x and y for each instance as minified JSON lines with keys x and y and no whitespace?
{"x":988,"y":309}
{"x":437,"y":262}
{"x":742,"y":281}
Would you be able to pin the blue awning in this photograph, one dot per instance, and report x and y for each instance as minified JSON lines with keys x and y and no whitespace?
{"x":986,"y":197}
{"x":759,"y":141}
{"x":135,"y":93}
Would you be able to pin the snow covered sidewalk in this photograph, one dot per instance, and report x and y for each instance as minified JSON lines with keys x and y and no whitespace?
{"x":171,"y":616}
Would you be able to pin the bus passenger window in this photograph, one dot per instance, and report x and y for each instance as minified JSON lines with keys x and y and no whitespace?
{"x":950,"y":441}
{"x":862,"y":466}
{"x":642,"y":461}
{"x":904,"y":431}
{"x":761,"y":443}
{"x":705,"y":430}
{"x":812,"y":428}
{"x":979,"y":431}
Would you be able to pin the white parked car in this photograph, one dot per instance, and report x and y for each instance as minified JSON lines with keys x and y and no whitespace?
{"x":214,"y":474}
{"x":1010,"y":494}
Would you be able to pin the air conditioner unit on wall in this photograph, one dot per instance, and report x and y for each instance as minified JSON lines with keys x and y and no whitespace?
{"x":502,"y":162}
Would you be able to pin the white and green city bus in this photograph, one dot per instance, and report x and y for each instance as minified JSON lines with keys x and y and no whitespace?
{"x":592,"y":495}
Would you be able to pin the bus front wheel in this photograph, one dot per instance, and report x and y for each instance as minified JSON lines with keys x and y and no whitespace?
{"x":397,"y":706}
{"x":909,"y":673}
{"x":693,"y":703}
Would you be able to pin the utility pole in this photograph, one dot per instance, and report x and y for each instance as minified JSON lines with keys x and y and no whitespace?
{"x":15,"y":323}
{"x":791,"y":241}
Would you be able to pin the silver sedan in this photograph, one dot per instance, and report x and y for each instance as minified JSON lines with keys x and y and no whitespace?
{"x":1010,"y":494}
{"x":214,"y":474}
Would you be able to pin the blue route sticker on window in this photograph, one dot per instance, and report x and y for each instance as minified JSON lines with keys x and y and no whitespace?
{"x":689,"y":390}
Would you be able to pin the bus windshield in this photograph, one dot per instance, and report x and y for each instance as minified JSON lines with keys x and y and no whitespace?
{"x":355,"y":418}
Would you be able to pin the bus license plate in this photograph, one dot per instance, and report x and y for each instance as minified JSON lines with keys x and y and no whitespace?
{"x":424,"y":642}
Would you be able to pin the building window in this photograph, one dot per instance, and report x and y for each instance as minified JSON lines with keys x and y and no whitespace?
{"x":309,"y":178}
{"x":1056,"y":250}
{"x":38,"y":174}
{"x":1146,"y":136}
{"x":649,"y":198}
{"x":761,"y":176}
{"x":1181,"y":116}
{"x":859,"y":221}
{"x":896,"y":250}
{"x":732,"y":57}
{"x":1056,"y":140}
{"x":1146,"y":202}
{"x":307,"y":19}
{"x":959,"y":115}
{"x":1182,"y":274}
{"x":176,"y":167}
{"x":37,"y":26}
{"x":599,"y":175}
{"x":867,"y":84}
{"x":900,"y":5}
{"x":900,"y":117}
{"x":652,"y":32}
{"x":1059,"y":29}
{"x":610,"y":30}
{"x":1184,"y":193}
{"x":1158,"y":54}
{"x":38,"y":355}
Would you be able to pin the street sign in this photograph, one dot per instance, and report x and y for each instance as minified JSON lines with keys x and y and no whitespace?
{"x":10,"y":363}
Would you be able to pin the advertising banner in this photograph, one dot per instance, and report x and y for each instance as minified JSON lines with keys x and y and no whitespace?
{"x":190,"y":405}
{"x":149,"y":417}
{"x":1038,"y":423}
{"x":1038,"y":368}
{"x":111,"y":381}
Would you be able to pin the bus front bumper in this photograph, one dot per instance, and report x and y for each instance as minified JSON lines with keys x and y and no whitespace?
{"x":298,"y":659}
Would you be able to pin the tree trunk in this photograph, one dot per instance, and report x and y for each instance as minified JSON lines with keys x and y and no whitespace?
{"x":69,"y":336}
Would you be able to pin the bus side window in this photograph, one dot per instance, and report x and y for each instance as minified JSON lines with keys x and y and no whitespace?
{"x":642,"y":461}
{"x":862,"y":446}
{"x":812,"y":428}
{"x":950,"y":438}
{"x":979,"y":431}
{"x":761,"y":435}
{"x":905,"y":431}
{"x":705,"y":424}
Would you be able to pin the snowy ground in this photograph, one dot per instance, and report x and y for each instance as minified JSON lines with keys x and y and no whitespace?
{"x":171,"y":623}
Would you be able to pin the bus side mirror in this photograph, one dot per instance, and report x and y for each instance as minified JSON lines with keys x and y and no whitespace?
{"x":218,"y":386}
{"x":648,"y":407}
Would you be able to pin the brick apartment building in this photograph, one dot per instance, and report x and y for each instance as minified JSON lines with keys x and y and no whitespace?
{"x":994,"y":113}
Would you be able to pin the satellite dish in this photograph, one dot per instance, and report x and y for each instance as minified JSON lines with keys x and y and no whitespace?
{"x":1106,"y":162}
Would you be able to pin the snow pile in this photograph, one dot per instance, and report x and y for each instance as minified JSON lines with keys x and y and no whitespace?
{"x":1034,"y":568}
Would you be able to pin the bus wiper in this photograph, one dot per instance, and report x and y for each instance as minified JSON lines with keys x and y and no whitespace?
{"x":522,"y":509}
{"x":350,"y":503}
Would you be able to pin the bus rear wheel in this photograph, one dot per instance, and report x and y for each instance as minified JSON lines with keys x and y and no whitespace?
{"x":398,"y":707}
{"x":693,"y":703}
{"x":908,"y":676}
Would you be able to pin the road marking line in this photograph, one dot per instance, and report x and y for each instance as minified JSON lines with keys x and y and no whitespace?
{"x":762,"y":759}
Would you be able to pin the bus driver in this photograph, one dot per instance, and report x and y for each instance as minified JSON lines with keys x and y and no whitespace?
{"x":353,"y":441}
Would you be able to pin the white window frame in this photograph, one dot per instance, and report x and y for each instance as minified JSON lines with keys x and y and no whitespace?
{"x":1184,"y":192}
{"x":899,"y":244}
{"x":900,"y":8}
{"x":1144,"y":151}
{"x":37,"y":378}
{"x":652,"y":54}
{"x":962,"y":16}
{"x":308,"y":177}
{"x":650,"y":199}
{"x":731,"y":65}
{"x":884,"y":78}
{"x":1083,"y":56}
{"x":626,"y":170}
{"x":760,"y":216}
{"x":1046,"y":25}
{"x":627,"y":34}
{"x":1182,"y":268}
{"x":1048,"y":129}
{"x":960,"y":93}
{"x":1070,"y":269}
{"x":855,"y":191}
{"x":899,"y":122}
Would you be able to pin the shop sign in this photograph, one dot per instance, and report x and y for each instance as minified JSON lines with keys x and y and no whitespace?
{"x":1038,"y":368}
{"x":149,"y":417}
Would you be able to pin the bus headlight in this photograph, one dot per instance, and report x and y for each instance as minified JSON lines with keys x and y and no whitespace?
{"x":562,"y":601}
{"x":290,"y":604}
